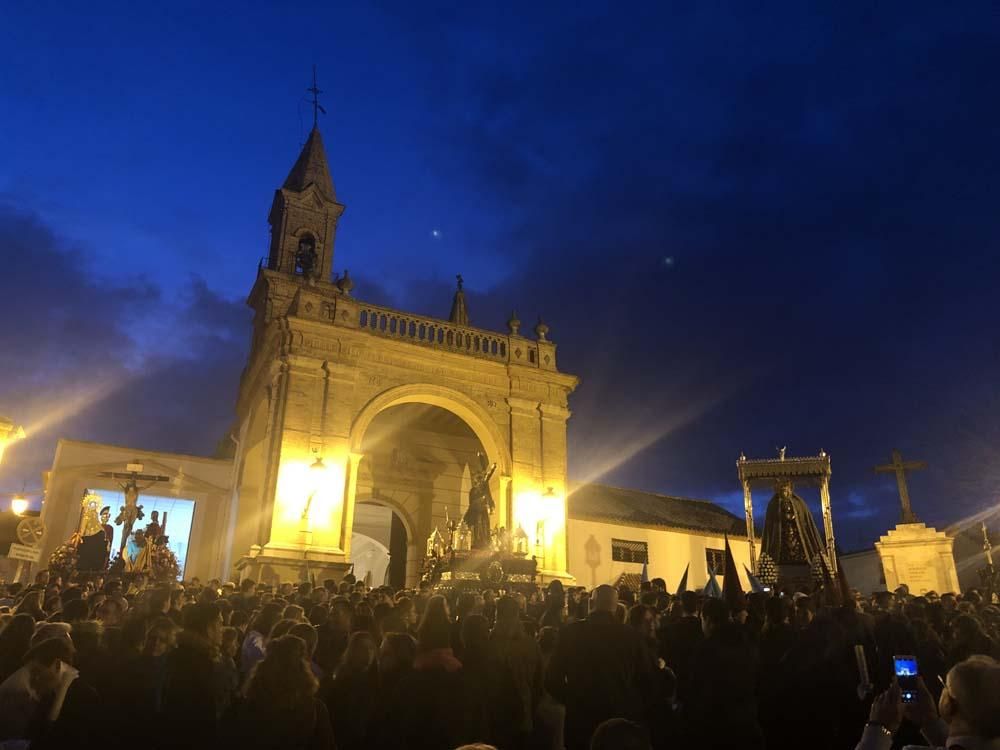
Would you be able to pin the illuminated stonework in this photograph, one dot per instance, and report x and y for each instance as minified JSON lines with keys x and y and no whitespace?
{"x":323,"y":366}
{"x":920,"y":557}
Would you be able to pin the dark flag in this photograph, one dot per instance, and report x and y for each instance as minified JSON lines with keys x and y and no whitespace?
{"x":683,"y":585}
{"x":732,"y":592}
{"x":756,"y":587}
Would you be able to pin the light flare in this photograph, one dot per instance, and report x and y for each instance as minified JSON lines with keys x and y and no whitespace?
{"x":542,"y":515}
{"x":310,"y":498}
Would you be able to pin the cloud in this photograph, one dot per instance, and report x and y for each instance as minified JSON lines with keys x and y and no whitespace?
{"x":859,"y":507}
{"x":822,"y":180}
{"x":121,"y":363}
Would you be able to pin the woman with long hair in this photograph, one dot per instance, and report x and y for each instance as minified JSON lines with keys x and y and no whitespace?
{"x":516,"y":677}
{"x":968,"y":638}
{"x":434,"y":630}
{"x":280,"y":709}
{"x":395,"y":660}
{"x":31,"y":604}
{"x":255,"y":643}
{"x":437,"y":704}
{"x":476,"y":645}
{"x":350,"y":695}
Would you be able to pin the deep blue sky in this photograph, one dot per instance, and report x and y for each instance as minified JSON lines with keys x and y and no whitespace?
{"x":747,"y":227}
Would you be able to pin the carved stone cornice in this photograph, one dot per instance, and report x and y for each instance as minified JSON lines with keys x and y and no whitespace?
{"x":523,"y":407}
{"x":554,"y":412}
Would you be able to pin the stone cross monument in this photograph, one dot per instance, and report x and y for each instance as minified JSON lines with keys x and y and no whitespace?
{"x":899,"y":467}
{"x":912,"y":553}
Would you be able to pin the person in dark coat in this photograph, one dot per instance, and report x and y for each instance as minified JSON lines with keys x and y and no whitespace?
{"x":436,"y":707}
{"x":333,"y":635}
{"x":517,"y":674}
{"x":351,"y":693}
{"x":721,"y":711}
{"x":15,"y":640}
{"x":597,"y":670}
{"x":679,"y":641}
{"x":395,"y":661}
{"x":777,"y":636}
{"x":33,"y":697}
{"x":191,"y":699}
{"x":281,"y":711}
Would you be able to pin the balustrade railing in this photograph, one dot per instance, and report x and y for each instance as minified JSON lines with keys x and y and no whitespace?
{"x":437,"y":334}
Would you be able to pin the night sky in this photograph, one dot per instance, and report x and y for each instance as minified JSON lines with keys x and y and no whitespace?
{"x":747,"y":227}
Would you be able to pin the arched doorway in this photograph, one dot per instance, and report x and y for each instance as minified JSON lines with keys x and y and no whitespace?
{"x":415,"y":473}
{"x":379,"y":545}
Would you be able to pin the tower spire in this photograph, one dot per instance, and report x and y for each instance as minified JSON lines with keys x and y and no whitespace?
{"x":311,"y":169}
{"x":305,"y":210}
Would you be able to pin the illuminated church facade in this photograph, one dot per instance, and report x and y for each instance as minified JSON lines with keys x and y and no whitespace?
{"x":359,"y":428}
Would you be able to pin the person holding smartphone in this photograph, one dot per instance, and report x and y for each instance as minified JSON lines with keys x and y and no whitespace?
{"x":966,"y":718}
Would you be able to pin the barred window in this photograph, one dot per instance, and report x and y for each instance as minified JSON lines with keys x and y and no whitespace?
{"x":715,"y":559}
{"x":622,"y":550}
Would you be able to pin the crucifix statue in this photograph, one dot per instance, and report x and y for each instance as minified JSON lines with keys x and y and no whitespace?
{"x":131,"y":511}
{"x":899,"y":467}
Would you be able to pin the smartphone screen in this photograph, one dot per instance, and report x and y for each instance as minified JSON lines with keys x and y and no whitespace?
{"x":906,"y":676}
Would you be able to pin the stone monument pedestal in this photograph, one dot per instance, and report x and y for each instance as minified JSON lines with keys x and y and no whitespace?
{"x":920,"y":557}
{"x":276,"y":566}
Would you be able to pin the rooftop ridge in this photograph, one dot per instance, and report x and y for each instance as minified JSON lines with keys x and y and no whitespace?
{"x":712,"y":503}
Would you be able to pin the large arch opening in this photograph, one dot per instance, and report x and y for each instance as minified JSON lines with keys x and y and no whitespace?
{"x":414,"y":476}
{"x":379,"y":545}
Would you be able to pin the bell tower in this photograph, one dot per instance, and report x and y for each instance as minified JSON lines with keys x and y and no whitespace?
{"x":304,"y":216}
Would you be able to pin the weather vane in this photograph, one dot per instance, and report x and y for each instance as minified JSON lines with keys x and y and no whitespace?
{"x":317,"y":107}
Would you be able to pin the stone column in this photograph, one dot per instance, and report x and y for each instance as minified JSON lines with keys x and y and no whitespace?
{"x":272,"y":454}
{"x":302,"y":513}
{"x":553,"y":455}
{"x":350,"y":495}
{"x":525,"y":440}
{"x":296,"y":437}
{"x":503,"y":503}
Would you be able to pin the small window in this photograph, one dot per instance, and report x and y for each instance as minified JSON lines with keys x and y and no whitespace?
{"x":623,"y":550}
{"x":715,"y":559}
{"x":305,"y":256}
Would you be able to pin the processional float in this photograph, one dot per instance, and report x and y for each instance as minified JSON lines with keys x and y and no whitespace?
{"x":791,"y":551}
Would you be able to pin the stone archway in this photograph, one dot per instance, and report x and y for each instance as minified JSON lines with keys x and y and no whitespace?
{"x":324,"y":363}
{"x":414,"y":455}
{"x":470,"y":412}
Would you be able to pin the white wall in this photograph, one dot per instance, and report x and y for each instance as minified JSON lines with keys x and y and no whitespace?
{"x":863,"y":571}
{"x":669,"y":552}
{"x":205,"y":481}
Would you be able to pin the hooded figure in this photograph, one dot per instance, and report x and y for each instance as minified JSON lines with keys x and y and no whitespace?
{"x":790,"y":533}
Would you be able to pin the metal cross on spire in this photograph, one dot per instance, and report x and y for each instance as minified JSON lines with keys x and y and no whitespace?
{"x":899,"y":467}
{"x":317,"y":107}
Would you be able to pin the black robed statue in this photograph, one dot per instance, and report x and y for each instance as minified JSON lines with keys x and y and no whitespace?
{"x":481,"y":504}
{"x":790,"y":533}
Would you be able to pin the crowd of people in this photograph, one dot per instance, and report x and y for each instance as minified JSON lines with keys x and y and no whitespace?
{"x":337,"y":665}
